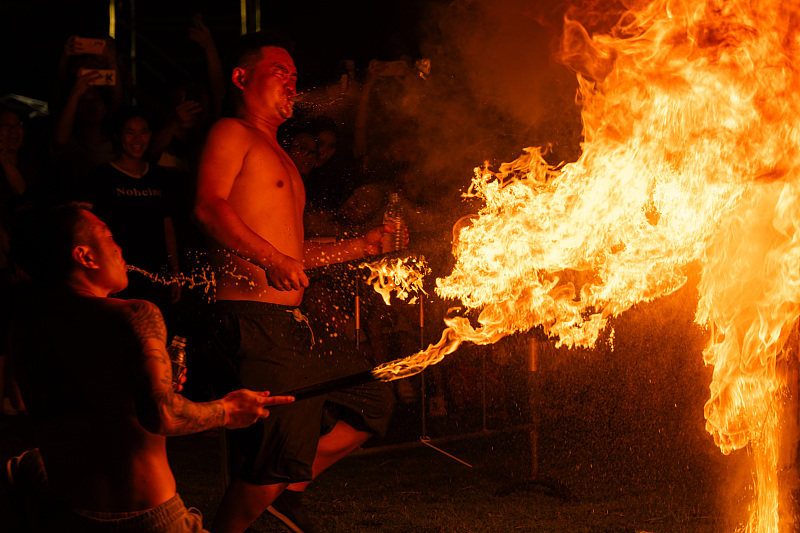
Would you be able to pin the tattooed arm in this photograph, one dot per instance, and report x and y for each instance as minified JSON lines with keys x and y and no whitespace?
{"x":163,"y":411}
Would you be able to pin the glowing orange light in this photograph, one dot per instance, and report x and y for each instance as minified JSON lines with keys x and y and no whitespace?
{"x":402,"y":276}
{"x":691,"y":115}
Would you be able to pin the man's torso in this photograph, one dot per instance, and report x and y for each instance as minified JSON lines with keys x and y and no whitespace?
{"x":75,"y":360}
{"x":269,"y":196}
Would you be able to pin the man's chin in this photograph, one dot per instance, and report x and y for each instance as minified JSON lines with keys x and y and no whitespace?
{"x":122,"y":286}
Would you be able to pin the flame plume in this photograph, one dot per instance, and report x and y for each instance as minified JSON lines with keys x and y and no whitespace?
{"x":690,"y":156}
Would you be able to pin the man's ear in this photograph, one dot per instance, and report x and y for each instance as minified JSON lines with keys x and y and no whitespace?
{"x":238,"y":77}
{"x":84,"y":256}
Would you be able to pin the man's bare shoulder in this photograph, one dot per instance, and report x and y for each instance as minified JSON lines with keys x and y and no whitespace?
{"x":227,"y":127}
{"x":230,"y":139}
{"x":144,"y":317}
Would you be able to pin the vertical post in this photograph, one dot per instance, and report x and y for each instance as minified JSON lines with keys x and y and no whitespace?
{"x":250,"y":14}
{"x":133,"y":44}
{"x":358,"y":317}
{"x":422,"y":374}
{"x":421,"y":323}
{"x":257,"y":17}
{"x":533,"y":362}
{"x":483,"y":385}
{"x":112,"y":18}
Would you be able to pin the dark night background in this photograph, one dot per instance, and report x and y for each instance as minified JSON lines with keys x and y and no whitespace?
{"x":33,"y":32}
{"x":493,"y":69}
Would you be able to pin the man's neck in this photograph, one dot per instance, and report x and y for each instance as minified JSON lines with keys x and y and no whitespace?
{"x":85,"y":287}
{"x":267,"y":126}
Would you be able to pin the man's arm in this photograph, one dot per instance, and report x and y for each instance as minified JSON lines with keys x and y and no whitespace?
{"x":220,"y":164}
{"x":319,"y":254}
{"x":163,"y":411}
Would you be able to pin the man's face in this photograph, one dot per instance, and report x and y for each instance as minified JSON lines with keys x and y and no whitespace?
{"x":11,"y":131}
{"x":326,"y":145}
{"x":91,"y":107}
{"x":269,"y":86}
{"x":303,"y":151}
{"x":108,"y":255}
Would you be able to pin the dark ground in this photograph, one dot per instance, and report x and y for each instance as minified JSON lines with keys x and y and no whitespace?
{"x":620,"y":445}
{"x":590,"y":481}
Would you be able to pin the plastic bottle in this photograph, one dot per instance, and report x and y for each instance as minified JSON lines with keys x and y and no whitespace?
{"x":177,"y":354}
{"x":393,"y":242}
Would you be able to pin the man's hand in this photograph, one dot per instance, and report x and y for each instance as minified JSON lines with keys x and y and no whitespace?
{"x":243,"y":407}
{"x":201,"y":35}
{"x":286,"y":274}
{"x":185,"y":113}
{"x":373,"y":240}
{"x":84,"y":81}
{"x":178,"y":387}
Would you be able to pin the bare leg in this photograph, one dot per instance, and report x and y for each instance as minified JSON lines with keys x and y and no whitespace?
{"x":242,"y":504}
{"x":339,"y":442}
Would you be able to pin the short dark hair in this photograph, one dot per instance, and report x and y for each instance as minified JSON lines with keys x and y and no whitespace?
{"x":42,"y":237}
{"x":247,"y":51}
{"x":246,"y":54}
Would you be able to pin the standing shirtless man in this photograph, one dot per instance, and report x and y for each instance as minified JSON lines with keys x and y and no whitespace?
{"x":97,"y":382}
{"x":250,"y":200}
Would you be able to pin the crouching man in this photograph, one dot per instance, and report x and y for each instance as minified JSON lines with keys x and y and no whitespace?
{"x":97,"y":382}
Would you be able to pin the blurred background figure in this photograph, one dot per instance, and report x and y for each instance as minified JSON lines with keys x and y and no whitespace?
{"x":12,"y":190}
{"x":133,"y":197}
{"x":88,"y":91}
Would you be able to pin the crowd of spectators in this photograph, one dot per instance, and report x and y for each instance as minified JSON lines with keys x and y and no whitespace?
{"x":354,"y":141}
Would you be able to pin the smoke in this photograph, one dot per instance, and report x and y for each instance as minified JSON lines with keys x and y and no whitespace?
{"x":495,"y":86}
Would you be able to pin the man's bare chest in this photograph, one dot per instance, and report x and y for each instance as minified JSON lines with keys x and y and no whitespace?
{"x":265,"y":172}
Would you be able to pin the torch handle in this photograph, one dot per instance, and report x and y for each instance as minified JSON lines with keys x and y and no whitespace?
{"x":325,"y":387}
{"x":353,"y":264}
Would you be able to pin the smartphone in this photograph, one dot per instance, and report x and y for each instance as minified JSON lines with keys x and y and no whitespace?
{"x":107,"y":76}
{"x":197,"y":20}
{"x":85,"y":45}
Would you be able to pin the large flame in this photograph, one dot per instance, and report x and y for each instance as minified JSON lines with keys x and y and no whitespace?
{"x":690,"y":156}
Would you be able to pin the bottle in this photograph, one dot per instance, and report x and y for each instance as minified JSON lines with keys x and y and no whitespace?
{"x":393,"y":242}
{"x":177,"y":354}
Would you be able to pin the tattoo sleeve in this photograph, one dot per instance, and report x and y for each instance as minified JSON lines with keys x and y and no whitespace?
{"x":162,"y":410}
{"x":147,"y":322}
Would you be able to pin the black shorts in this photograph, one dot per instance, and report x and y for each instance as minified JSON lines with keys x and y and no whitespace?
{"x":263,"y":346}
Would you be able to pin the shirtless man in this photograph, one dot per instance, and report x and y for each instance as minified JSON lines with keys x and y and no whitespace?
{"x":97,"y":382}
{"x":250,"y":200}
